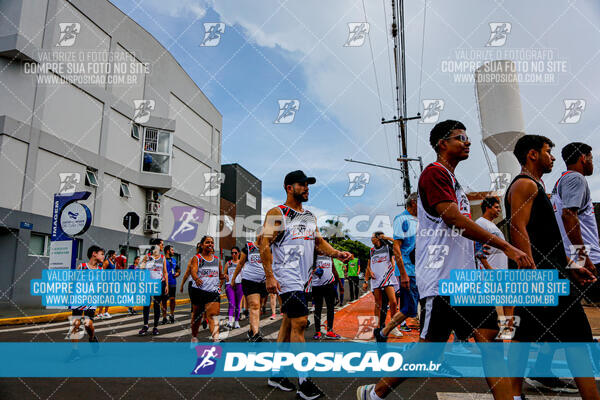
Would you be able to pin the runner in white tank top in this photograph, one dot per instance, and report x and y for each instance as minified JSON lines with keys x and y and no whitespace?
{"x":287,"y":245}
{"x":252,"y":275}
{"x":207,"y":278}
{"x":441,"y":204}
{"x":86,"y":312}
{"x":380,"y":275}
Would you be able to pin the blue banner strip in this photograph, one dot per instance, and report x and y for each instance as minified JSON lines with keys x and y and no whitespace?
{"x":343,"y":359}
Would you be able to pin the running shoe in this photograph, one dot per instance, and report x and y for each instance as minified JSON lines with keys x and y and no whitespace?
{"x":155,"y":331}
{"x":364,"y":392}
{"x":228,"y":325}
{"x":273,"y":316}
{"x":446,"y":371}
{"x":133,"y":312}
{"x":100,"y":316}
{"x":204,"y":324}
{"x":332,"y":335}
{"x":107,"y":315}
{"x":396,"y":332}
{"x":143,"y":331}
{"x":281,"y":384}
{"x":553,"y":383}
{"x":164,"y":321}
{"x":379,"y":336}
{"x":171,"y":319}
{"x":404,"y":328}
{"x":318,"y":336}
{"x":236,"y":325}
{"x":307,"y":390}
{"x":254,"y":338}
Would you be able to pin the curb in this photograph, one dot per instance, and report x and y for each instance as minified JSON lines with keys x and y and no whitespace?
{"x":63,"y":316}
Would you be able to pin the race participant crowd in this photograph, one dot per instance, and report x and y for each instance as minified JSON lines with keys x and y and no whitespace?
{"x":290,"y":262}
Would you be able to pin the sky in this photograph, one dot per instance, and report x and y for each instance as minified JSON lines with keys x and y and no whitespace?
{"x":290,"y":50}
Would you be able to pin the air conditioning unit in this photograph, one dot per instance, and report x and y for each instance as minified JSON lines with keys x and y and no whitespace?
{"x":152,"y":224}
{"x":153,"y":195}
{"x":152,"y":207}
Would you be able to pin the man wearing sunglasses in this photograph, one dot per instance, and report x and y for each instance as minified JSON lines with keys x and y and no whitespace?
{"x":444,"y":242}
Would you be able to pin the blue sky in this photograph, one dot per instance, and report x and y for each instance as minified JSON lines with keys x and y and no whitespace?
{"x":294,"y":50}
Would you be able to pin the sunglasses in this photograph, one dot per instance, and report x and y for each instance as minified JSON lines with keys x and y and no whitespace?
{"x":463,"y":138}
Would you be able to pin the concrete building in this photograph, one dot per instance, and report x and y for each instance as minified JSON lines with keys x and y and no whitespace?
{"x":242,"y":191}
{"x":88,"y":93}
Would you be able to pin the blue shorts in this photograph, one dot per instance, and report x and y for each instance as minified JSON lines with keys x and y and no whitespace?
{"x":409,"y":298}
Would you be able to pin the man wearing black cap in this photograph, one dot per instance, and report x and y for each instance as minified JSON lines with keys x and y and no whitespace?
{"x":287,"y":249}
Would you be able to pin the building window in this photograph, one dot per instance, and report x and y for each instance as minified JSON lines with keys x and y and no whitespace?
{"x":250,"y":200}
{"x":39,"y":245}
{"x":91,"y":178}
{"x":124,"y":192}
{"x":135,"y":131}
{"x":157,"y":151}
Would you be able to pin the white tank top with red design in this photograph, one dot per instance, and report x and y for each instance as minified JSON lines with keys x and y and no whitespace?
{"x":440,"y":248}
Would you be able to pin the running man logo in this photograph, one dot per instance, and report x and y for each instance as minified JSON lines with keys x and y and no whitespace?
{"x":292,"y":255}
{"x":142,"y":109}
{"x":573,"y":110}
{"x":431,"y":111}
{"x":287,"y":111}
{"x":357,"y":34}
{"x":207,"y":359}
{"x":437,"y":254}
{"x":77,"y":326}
{"x":186,"y":223}
{"x":358,"y":183}
{"x":68,"y":33}
{"x":578,"y":254}
{"x":68,"y":182}
{"x":498,"y":33}
{"x":499,"y":182}
{"x":508,"y":326}
{"x":212,"y":183}
{"x":212,"y":34}
{"x":366,"y":324}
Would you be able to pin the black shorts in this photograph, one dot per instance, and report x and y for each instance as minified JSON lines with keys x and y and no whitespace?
{"x":250,"y":287}
{"x":294,"y":304}
{"x":565,"y":322}
{"x":201,"y":297}
{"x":87,"y":313}
{"x":438,"y":319}
{"x":172,"y":291}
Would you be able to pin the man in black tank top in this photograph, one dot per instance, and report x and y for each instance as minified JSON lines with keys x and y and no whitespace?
{"x":533,"y":229}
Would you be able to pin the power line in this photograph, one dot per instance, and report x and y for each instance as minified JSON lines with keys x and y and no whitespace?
{"x":377,"y":83}
{"x":421,"y":70}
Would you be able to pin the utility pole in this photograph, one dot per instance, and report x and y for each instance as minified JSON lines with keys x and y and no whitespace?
{"x":400,"y":66}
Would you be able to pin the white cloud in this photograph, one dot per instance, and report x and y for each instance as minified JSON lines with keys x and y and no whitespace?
{"x":178,"y":8}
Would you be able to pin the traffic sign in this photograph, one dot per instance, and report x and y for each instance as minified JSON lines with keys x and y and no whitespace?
{"x":131,"y":220}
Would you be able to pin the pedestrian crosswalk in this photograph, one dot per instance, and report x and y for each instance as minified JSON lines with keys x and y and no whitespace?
{"x":124,"y":327}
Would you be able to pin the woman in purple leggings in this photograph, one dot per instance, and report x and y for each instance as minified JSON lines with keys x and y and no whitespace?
{"x":233,"y":289}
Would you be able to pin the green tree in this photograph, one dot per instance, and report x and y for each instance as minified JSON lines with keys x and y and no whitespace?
{"x":338,"y":237}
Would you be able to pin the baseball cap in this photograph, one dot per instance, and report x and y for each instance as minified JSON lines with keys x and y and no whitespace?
{"x":298,"y":177}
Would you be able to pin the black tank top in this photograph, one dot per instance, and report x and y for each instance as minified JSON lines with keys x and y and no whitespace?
{"x":544,"y":234}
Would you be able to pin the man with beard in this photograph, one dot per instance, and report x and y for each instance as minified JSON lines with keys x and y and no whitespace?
{"x":287,"y":250}
{"x":534,"y":230}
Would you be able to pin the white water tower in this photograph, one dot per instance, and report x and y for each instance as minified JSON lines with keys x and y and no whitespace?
{"x":500,"y":112}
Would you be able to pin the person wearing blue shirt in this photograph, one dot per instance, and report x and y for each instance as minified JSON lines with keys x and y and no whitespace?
{"x":405,"y":231}
{"x":173,"y":270}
